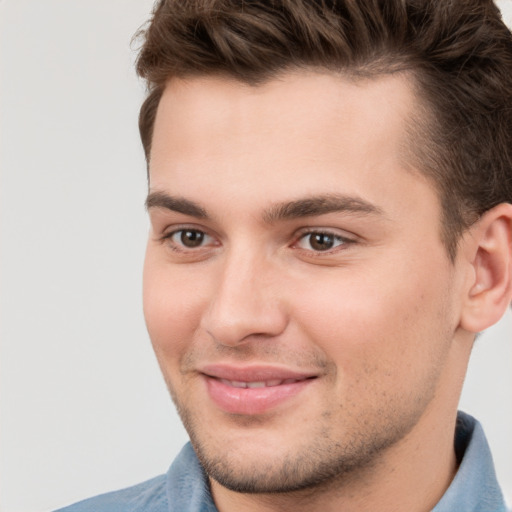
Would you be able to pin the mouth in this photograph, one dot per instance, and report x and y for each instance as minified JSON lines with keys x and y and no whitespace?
{"x":261,"y":383}
{"x":253,"y":390}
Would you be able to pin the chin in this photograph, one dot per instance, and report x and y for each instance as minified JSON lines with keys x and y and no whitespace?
{"x":251,"y":466}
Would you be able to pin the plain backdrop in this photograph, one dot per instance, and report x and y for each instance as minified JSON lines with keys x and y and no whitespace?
{"x":83,"y":406}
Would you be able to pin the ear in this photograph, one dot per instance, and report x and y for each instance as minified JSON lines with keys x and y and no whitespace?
{"x":489,"y":252}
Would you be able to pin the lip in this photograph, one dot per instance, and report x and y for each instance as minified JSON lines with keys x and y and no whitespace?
{"x":229,"y":387}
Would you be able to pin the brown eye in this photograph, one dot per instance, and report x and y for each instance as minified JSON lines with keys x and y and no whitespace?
{"x":191,"y":238}
{"x":188,"y":239}
{"x":320,"y":241}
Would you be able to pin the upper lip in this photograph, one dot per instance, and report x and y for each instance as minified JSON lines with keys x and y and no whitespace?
{"x":253,"y":373}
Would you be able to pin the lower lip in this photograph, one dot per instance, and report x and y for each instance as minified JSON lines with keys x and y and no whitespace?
{"x":251,"y":401}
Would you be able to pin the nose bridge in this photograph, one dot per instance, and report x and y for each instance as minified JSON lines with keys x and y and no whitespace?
{"x":246,"y":300}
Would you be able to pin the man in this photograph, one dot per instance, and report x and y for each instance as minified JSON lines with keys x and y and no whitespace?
{"x":330,"y":189}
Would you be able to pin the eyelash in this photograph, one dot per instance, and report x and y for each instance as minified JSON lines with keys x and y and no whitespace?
{"x":340,"y":242}
{"x":168,"y":237}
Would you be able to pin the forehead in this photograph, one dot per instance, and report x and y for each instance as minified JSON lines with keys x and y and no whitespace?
{"x":305,"y":103}
{"x":303,"y":132}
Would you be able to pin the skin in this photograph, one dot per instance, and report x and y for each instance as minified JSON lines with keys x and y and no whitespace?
{"x":377,"y":319}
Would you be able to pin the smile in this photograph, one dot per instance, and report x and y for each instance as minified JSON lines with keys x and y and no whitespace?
{"x":259,"y":384}
{"x":253,"y":390}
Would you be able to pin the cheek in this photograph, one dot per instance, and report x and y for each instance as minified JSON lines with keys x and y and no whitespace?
{"x":172,"y":307}
{"x":370,"y":325}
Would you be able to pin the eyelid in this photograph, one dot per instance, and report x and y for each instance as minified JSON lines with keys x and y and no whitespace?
{"x":171,"y":231}
{"x":343,"y":237}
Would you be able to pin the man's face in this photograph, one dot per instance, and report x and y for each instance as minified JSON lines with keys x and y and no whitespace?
{"x":298,"y":297}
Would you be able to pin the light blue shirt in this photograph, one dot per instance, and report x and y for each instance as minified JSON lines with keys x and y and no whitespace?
{"x":185,"y":486}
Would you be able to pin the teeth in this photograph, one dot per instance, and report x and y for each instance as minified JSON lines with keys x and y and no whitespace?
{"x":235,"y":383}
{"x":257,"y":384}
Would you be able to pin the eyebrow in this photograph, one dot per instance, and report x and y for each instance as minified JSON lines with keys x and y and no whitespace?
{"x":305,"y":207}
{"x":175,"y":204}
{"x":320,"y":205}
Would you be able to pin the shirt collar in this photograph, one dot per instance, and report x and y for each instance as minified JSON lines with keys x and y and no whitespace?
{"x":475,"y":487}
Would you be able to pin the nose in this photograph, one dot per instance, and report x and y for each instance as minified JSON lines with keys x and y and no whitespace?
{"x":247,"y":301}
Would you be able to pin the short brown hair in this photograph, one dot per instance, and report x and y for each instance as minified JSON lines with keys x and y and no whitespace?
{"x":459,"y":53}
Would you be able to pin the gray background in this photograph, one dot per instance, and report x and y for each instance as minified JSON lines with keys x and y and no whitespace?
{"x":83,"y":408}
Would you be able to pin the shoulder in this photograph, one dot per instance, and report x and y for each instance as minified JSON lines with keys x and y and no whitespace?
{"x":149,"y":496}
{"x":185,"y":488}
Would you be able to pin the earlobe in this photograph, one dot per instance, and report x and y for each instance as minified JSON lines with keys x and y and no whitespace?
{"x":490,"y":290}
